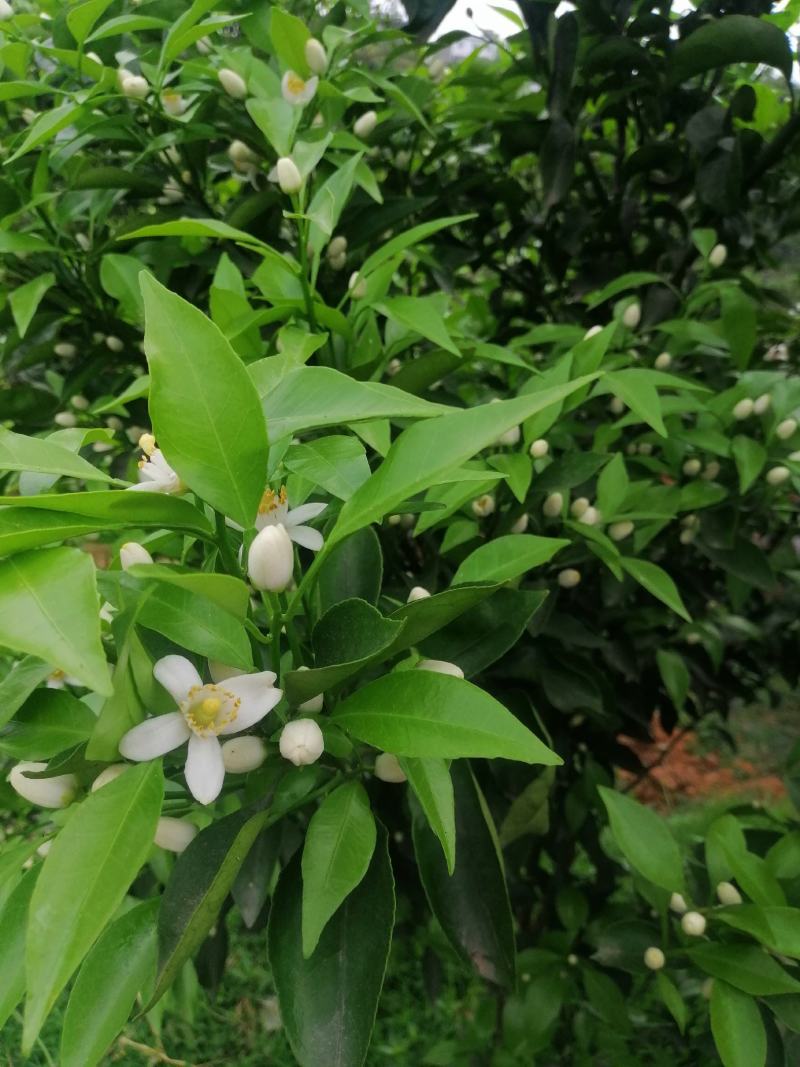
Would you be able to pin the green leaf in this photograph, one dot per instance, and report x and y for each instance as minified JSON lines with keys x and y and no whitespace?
{"x":645,"y":840}
{"x":529,"y":812}
{"x":338,"y":849}
{"x":277,"y":119}
{"x":336,"y":464}
{"x":737,"y":1027}
{"x":119,"y":276}
{"x":352,"y":570}
{"x":19,"y":683}
{"x":424,"y":454}
{"x":229,"y":593}
{"x":253,"y":883}
{"x":776,"y":927}
{"x":90,"y":866}
{"x":49,"y":609}
{"x":329,"y":201}
{"x":518,"y":470}
{"x":745,"y":966}
{"x":121,"y":711}
{"x":425,"y":714}
{"x":204,"y":406}
{"x":433,"y":787}
{"x":750,"y":457}
{"x":119,"y":967}
{"x":19,"y":453}
{"x":731,"y":39}
{"x":289,"y":35}
{"x":109,"y":509}
{"x":633,"y":280}
{"x":471,"y":904}
{"x":673,"y":1001}
{"x":635,"y":387}
{"x":81,"y":19}
{"x":13,"y":919}
{"x":421,"y":315}
{"x":328,"y":1002}
{"x":675,"y":675}
{"x":408,"y":239}
{"x":657,"y":582}
{"x":727,"y":856}
{"x":127,"y":24}
{"x":504,"y":558}
{"x":433,"y":613}
{"x":25,"y":299}
{"x":45,"y":127}
{"x":612,"y":485}
{"x":51,"y":721}
{"x":197,"y":623}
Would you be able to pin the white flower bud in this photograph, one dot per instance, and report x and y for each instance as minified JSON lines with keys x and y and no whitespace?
{"x":203,"y":46}
{"x":727,"y":893}
{"x":632,"y":315}
{"x":744,"y":408}
{"x":616,"y":406}
{"x":174,"y":835}
{"x":510,"y":437}
{"x":243,"y":754}
{"x":618,"y":531}
{"x":794,"y":457}
{"x":539,"y":448}
{"x":678,"y":904}
{"x":572,"y":960}
{"x":663,"y":361}
{"x":337,"y":246}
{"x":440,"y":666}
{"x":357,"y":286}
{"x":717,"y":255}
{"x":114,"y":344}
{"x":239,"y":152}
{"x":6,"y":10}
{"x":114,"y":423}
{"x":483,"y":506}
{"x":711,"y":471}
{"x":80,"y":403}
{"x":339,"y":263}
{"x":388,"y":769}
{"x":65,"y":350}
{"x":521,"y":525}
{"x":365,"y":124}
{"x":654,"y":958}
{"x":132,"y":553}
{"x":707,"y":988}
{"x":147,"y":443}
{"x":57,"y":792}
{"x":107,"y":775}
{"x":65,"y":419}
{"x":645,"y":449}
{"x":692,"y":467}
{"x":233,"y":83}
{"x":761,"y":404}
{"x":578,"y":507}
{"x":593,"y":331}
{"x":173,"y":103}
{"x":591,"y":517}
{"x":135,"y":86}
{"x":270,"y":561}
{"x":83,"y":242}
{"x":778,"y":475}
{"x":44,"y":849}
{"x":289,"y":177}
{"x":553,"y":505}
{"x":316,"y":56}
{"x":417,"y":593}
{"x":29,"y":115}
{"x":786,"y":429}
{"x":694,"y":638}
{"x":693,"y":924}
{"x":302,"y":742}
{"x":569,"y":578}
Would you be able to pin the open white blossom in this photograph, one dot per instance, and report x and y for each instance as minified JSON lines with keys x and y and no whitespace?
{"x":205,"y":711}
{"x":155,"y":474}
{"x":296,"y":90}
{"x":274,"y":510}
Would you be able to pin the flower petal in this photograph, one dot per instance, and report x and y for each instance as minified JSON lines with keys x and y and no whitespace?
{"x":153,"y":737}
{"x":303,"y":514}
{"x":257,"y":694}
{"x":177,"y":674}
{"x":205,"y":769}
{"x":306,"y":537}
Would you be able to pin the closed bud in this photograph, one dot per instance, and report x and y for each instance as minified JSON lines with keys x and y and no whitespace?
{"x":510,"y":437}
{"x":80,"y":403}
{"x":483,"y":506}
{"x":239,"y":152}
{"x":243,"y":754}
{"x":761,"y":404}
{"x":786,"y":429}
{"x":270,"y":561}
{"x":339,"y":263}
{"x":394,"y":366}
{"x":778,"y":475}
{"x":712,"y":470}
{"x":302,"y":742}
{"x":65,"y":419}
{"x":6,"y":10}
{"x":569,"y":578}
{"x":727,"y":893}
{"x":539,"y":448}
{"x":108,"y":774}
{"x":58,"y":792}
{"x":678,"y":904}
{"x":417,"y":593}
{"x":654,"y":958}
{"x":645,"y":449}
{"x":357,"y":286}
{"x":114,"y":423}
{"x":692,"y":467}
{"x":521,"y":525}
{"x":632,"y":315}
{"x":316,"y":56}
{"x":440,"y":666}
{"x":717,"y":255}
{"x":618,"y":531}
{"x":365,"y":124}
{"x":314,"y":704}
{"x":578,"y":507}
{"x":233,"y":83}
{"x":289,"y":177}
{"x":132,"y":553}
{"x":693,"y":924}
{"x":83,"y":242}
{"x":114,"y":344}
{"x":203,"y":46}
{"x":388,"y":769}
{"x":174,"y":835}
{"x":593,"y":331}
{"x":616,"y":406}
{"x":65,"y":350}
{"x":663,"y":361}
{"x":744,"y":408}
{"x":591,"y":517}
{"x":337,"y":246}
{"x":553,"y":505}
{"x":135,"y":86}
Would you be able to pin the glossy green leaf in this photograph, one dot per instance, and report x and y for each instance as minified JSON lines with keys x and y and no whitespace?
{"x":18,"y":684}
{"x":13,"y":920}
{"x":673,"y":1000}
{"x":193,"y":621}
{"x":120,"y":712}
{"x":354,"y":569}
{"x":645,"y":840}
{"x":336,"y":464}
{"x":421,"y":315}
{"x":90,"y":866}
{"x":411,"y":237}
{"x":636,"y":389}
{"x":675,"y":675}
{"x":657,"y":582}
{"x":45,"y":127}
{"x":338,"y":848}
{"x":776,"y":927}
{"x":504,"y":558}
{"x":750,"y":457}
{"x":229,"y":593}
{"x":50,"y":721}
{"x":19,"y":453}
{"x":433,"y":787}
{"x":82,"y":18}
{"x":745,"y":966}
{"x":424,"y":714}
{"x":427,"y":616}
{"x":731,"y":39}
{"x":289,"y":35}
{"x":25,"y":299}
{"x":737,"y":1027}
{"x":108,"y":509}
{"x":529,"y":812}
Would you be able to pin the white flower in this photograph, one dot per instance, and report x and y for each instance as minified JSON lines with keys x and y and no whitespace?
{"x":388,"y":769}
{"x":83,"y":241}
{"x":417,"y":593}
{"x":270,"y":560}
{"x":654,"y":958}
{"x":79,"y":402}
{"x":521,"y":525}
{"x":711,"y":471}
{"x":132,"y":553}
{"x":591,"y":516}
{"x":579,"y":506}
{"x":57,"y":792}
{"x":239,"y":152}
{"x":171,"y":193}
{"x":204,"y":712}
{"x":65,"y":350}
{"x":108,"y":774}
{"x":483,"y":506}
{"x":616,"y":406}
{"x":553,"y":505}
{"x":693,"y":924}
{"x":593,"y":331}
{"x":156,"y":475}
{"x":173,"y":102}
{"x":632,"y":315}
{"x":337,"y":246}
{"x":692,"y":467}
{"x":316,"y":56}
{"x":365,"y":124}
{"x":357,"y":286}
{"x":645,"y":449}
{"x":510,"y":437}
{"x":678,"y":904}
{"x":569,"y":578}
{"x":65,"y":419}
{"x":440,"y":666}
{"x":135,"y":86}
{"x":233,"y":83}
{"x":243,"y":754}
{"x":717,"y":255}
{"x":296,"y":90}
{"x":274,"y":510}
{"x":203,"y":46}
{"x":289,"y":177}
{"x":114,"y":344}
{"x":6,"y":10}
{"x":618,"y":531}
{"x":762,"y":403}
{"x":663,"y":361}
{"x":302,"y":742}
{"x":539,"y":448}
{"x":778,"y":475}
{"x":777,"y":353}
{"x":174,"y":835}
{"x":786,"y":429}
{"x":727,"y":893}
{"x":59,"y":680}
{"x":744,"y":409}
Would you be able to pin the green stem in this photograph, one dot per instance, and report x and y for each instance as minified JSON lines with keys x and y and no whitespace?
{"x":291,"y":634}
{"x":226,"y":552}
{"x":273,"y":610}
{"x":302,"y":235}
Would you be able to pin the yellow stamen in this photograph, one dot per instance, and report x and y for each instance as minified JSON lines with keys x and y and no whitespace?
{"x":295,"y":83}
{"x":272,"y":500}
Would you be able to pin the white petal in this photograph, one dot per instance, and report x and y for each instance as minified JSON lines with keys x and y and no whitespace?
{"x":177,"y":674}
{"x":205,"y":770}
{"x":153,"y":737}
{"x":220,"y":672}
{"x":306,"y":537}
{"x":304,"y":513}
{"x":257,"y":694}
{"x":148,"y":487}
